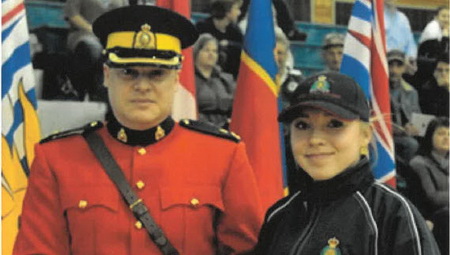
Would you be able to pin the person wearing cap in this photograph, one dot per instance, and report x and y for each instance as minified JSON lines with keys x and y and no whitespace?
{"x":340,"y":208}
{"x":333,"y":50}
{"x":404,"y":102}
{"x":189,"y":187}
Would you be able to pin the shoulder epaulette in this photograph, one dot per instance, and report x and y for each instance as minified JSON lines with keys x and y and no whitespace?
{"x":76,"y":131}
{"x":206,"y":128}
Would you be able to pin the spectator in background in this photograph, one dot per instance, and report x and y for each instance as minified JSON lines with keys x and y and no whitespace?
{"x":287,"y":76}
{"x":86,"y":66}
{"x":214,"y":88}
{"x":282,"y":17}
{"x":289,"y":79}
{"x":399,"y":35}
{"x":222,"y":24}
{"x":434,"y":94}
{"x":438,"y":27}
{"x":333,"y":50}
{"x":431,"y":166}
{"x":404,"y":102}
{"x":433,"y":43}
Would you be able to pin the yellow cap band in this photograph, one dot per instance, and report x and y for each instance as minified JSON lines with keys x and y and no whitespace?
{"x":142,"y":40}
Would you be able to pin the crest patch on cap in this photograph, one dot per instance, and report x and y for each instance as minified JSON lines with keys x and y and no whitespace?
{"x":320,"y":86}
{"x":331,"y":248}
{"x":145,"y":39}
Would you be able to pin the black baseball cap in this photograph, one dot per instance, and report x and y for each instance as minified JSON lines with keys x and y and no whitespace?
{"x":145,"y":36}
{"x":329,"y":91}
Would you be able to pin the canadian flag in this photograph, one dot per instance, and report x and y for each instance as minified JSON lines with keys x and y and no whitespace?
{"x":185,"y":104}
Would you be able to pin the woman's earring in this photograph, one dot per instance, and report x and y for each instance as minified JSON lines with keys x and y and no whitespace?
{"x":364,"y":151}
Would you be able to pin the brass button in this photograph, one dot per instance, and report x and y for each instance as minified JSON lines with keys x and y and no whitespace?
{"x":140,"y":184}
{"x":195,"y":202}
{"x":138,"y":224}
{"x":142,"y":151}
{"x":82,"y":204}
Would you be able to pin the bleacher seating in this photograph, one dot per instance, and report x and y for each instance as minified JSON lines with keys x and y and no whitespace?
{"x":47,"y":17}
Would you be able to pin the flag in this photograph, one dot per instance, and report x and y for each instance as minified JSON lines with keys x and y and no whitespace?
{"x":255,"y":106}
{"x":365,"y":60}
{"x":20,"y":124}
{"x":185,"y":105}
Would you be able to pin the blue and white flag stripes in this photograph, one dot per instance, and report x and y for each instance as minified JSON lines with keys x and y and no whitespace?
{"x":365,"y":60}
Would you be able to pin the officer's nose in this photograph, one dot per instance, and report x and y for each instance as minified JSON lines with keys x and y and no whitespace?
{"x":143,"y":83}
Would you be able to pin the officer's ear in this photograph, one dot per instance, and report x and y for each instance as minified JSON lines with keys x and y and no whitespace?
{"x":177,"y":81}
{"x":106,"y":75}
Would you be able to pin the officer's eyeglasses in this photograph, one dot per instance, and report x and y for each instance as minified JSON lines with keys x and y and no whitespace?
{"x":131,"y":74}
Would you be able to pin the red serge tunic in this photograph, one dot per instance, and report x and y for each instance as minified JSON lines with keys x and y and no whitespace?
{"x":199,"y":188}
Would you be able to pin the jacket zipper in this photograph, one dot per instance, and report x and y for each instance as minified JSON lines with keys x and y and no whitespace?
{"x":305,"y":234}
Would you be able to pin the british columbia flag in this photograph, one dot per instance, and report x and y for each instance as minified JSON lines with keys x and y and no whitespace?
{"x":20,"y":123}
{"x":365,"y":60}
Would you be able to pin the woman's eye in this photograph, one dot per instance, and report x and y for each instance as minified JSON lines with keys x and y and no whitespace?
{"x":335,"y":124}
{"x":301,"y":125}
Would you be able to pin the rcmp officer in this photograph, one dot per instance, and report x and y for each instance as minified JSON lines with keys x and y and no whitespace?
{"x":180,"y":188}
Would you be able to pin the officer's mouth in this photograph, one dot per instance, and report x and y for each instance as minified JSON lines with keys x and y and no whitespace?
{"x":142,"y":101}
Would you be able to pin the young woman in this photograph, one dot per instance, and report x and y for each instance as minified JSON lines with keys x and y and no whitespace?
{"x":431,"y":167}
{"x":340,"y":208}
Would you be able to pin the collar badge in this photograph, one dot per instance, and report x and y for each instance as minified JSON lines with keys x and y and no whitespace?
{"x":321,"y":85}
{"x":160,"y":133}
{"x":122,"y":135}
{"x":332,"y":248}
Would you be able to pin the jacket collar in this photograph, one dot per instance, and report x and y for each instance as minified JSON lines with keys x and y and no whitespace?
{"x":405,"y":85}
{"x":140,"y":137}
{"x":354,"y":178}
{"x":215,"y":73}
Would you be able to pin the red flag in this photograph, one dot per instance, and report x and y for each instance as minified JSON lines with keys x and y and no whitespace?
{"x":185,"y":105}
{"x":255,"y":107}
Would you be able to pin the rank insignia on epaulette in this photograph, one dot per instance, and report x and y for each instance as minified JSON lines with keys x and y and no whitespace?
{"x":76,"y":131}
{"x":332,"y":248}
{"x":210,"y":129}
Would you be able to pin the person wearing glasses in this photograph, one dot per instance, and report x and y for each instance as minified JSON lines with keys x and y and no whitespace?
{"x":141,"y":183}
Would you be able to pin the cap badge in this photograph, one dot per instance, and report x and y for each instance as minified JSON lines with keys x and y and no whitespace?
{"x":332,"y":248}
{"x":160,"y":133}
{"x":321,"y":85}
{"x":145,"y":39}
{"x":122,"y":136}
